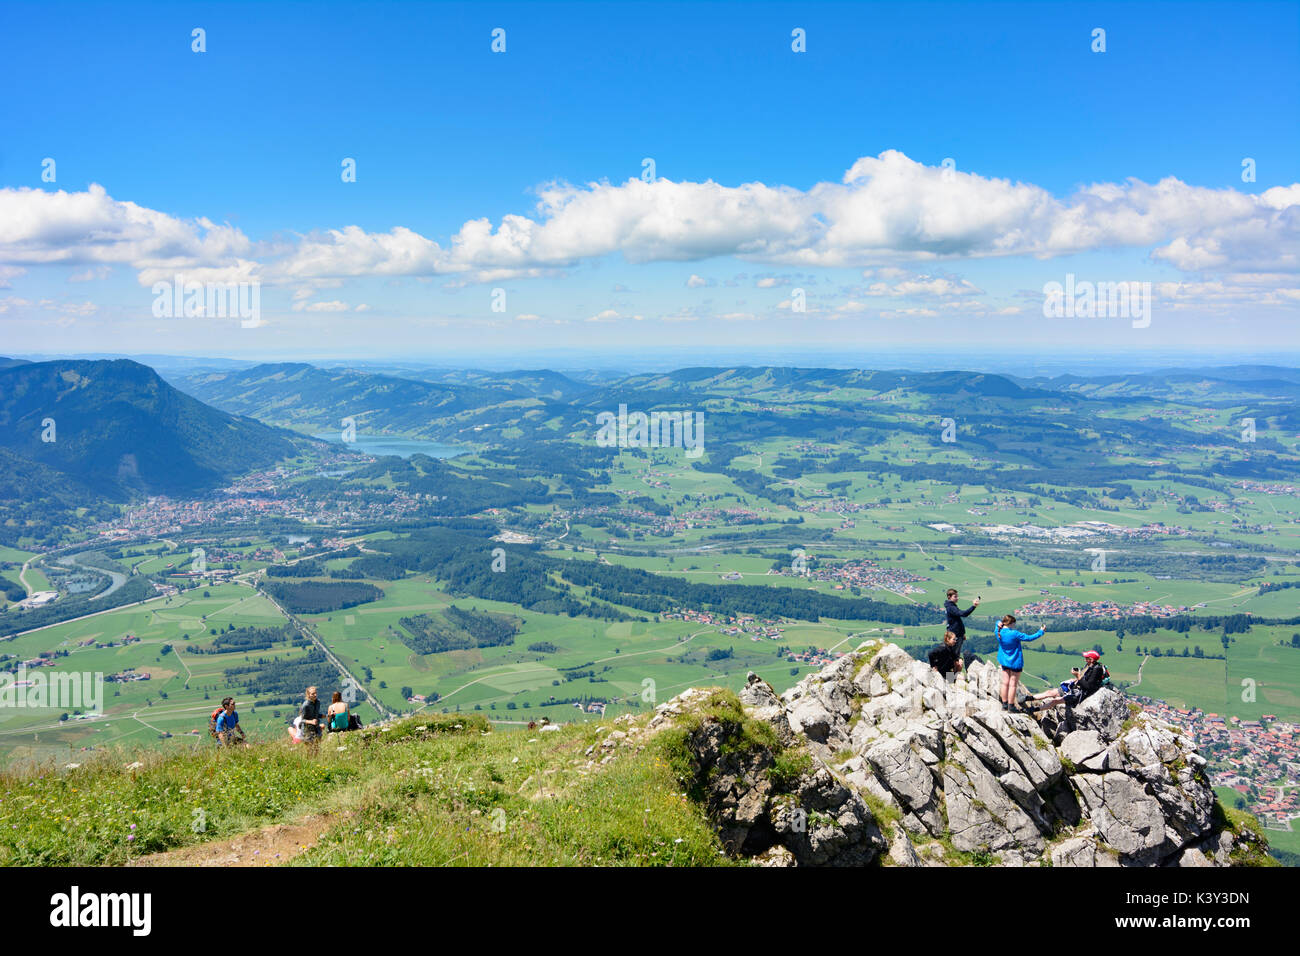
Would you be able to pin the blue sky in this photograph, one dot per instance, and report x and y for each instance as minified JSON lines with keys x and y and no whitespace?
{"x":251,"y":133}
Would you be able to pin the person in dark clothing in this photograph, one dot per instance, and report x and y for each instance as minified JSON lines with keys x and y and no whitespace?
{"x":956,"y":620}
{"x":944,"y":658}
{"x":1073,"y":692}
{"x":311,"y":714}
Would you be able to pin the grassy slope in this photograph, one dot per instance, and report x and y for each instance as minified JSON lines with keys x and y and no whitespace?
{"x":420,"y":793}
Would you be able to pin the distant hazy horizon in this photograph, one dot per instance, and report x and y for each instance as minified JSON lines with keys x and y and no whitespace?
{"x":1001,"y":361}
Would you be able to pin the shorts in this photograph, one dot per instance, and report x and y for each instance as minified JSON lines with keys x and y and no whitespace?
{"x":1012,"y":670}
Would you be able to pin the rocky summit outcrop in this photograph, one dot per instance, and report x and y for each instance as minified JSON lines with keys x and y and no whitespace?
{"x":770,"y":798}
{"x":879,"y":759}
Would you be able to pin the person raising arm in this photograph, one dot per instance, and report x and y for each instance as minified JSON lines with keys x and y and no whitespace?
{"x":1011,"y":658}
{"x":956,"y":618}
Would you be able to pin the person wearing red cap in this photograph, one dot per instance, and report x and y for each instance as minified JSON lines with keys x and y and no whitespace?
{"x":1075,"y":691}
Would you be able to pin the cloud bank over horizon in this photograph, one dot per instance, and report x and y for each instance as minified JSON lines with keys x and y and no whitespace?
{"x":887,"y":210}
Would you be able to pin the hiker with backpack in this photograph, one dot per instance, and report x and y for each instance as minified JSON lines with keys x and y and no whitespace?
{"x":944,"y":658}
{"x":212,"y":719}
{"x":1073,"y":692}
{"x":957,"y":619}
{"x":1011,"y":658}
{"x":226,"y":724}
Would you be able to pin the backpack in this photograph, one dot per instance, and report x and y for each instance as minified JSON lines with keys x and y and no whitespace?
{"x":212,"y":722}
{"x":339,"y":720}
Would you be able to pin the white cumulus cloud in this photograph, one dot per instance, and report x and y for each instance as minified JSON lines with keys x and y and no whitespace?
{"x":884,"y":213}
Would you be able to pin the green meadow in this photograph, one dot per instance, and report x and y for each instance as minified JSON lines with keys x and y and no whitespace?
{"x":633,"y":663}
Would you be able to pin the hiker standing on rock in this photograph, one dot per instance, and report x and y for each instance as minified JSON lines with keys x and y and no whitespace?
{"x":957,"y":619}
{"x":311,"y":714}
{"x":1011,"y":658}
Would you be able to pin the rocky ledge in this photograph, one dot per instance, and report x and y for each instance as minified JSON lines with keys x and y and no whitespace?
{"x":877,"y":759}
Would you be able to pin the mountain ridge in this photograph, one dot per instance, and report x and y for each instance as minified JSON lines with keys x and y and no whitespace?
{"x":117,"y":426}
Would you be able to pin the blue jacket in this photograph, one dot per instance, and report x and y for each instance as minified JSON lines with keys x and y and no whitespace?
{"x":1009,"y":641}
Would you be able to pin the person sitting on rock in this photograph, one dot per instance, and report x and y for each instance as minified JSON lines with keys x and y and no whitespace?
{"x":944,"y":658}
{"x":1073,"y":692}
{"x":1011,"y":658}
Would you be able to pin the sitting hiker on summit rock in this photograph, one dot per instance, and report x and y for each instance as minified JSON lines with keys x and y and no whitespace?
{"x":1073,"y":692}
{"x":944,"y":658}
{"x":1011,"y":658}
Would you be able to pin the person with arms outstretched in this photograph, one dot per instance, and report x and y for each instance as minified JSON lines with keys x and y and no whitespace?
{"x":1011,"y":658}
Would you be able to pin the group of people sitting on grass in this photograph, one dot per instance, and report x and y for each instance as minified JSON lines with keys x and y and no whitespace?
{"x":948,"y":658}
{"x":312,"y":721}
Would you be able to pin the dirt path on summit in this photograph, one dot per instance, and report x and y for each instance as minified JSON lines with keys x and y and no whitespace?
{"x":270,"y":846}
